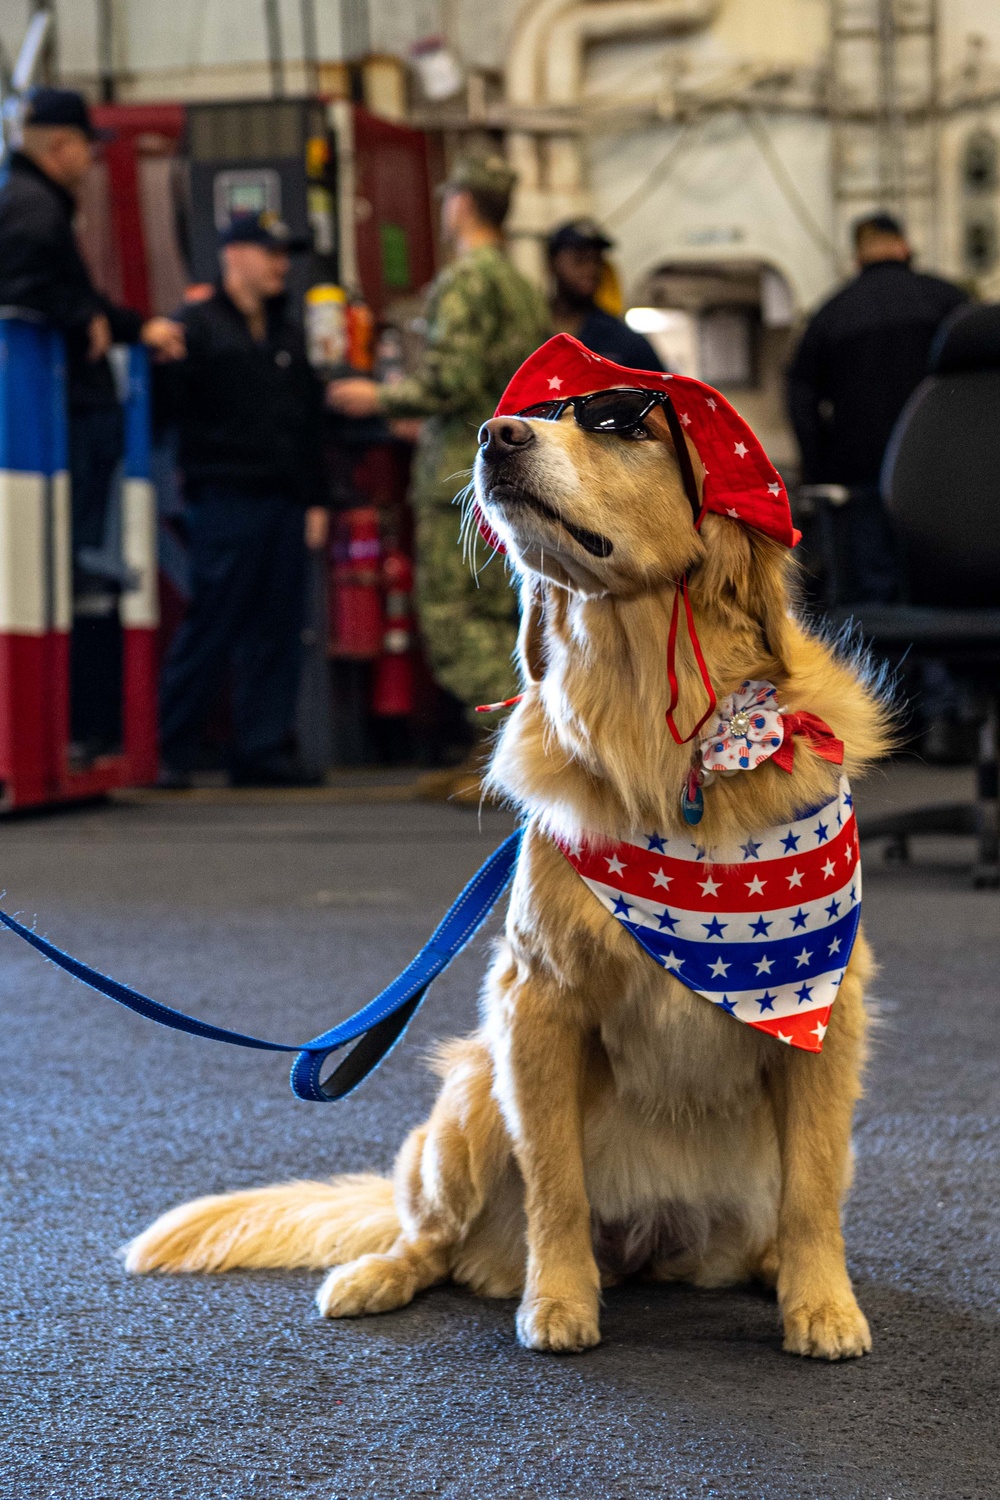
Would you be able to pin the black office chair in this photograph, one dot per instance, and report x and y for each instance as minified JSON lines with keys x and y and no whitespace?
{"x":941,"y":483}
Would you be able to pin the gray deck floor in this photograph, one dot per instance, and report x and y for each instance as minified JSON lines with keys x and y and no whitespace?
{"x":281,"y":916}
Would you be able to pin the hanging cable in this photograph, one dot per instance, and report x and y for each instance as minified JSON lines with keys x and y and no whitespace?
{"x":786,"y":184}
{"x":658,"y":175}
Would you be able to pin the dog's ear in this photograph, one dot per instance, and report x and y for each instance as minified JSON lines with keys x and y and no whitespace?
{"x":746,"y":574}
{"x":769,"y":593}
{"x":660,"y":428}
{"x":531,"y":632}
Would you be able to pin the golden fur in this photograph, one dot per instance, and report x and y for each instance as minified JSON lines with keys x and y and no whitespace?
{"x":605,"y":1121}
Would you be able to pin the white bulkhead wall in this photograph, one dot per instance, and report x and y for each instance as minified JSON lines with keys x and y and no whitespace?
{"x":733,"y":188}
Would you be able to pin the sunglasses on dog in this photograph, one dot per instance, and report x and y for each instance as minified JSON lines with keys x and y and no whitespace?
{"x":622,"y":410}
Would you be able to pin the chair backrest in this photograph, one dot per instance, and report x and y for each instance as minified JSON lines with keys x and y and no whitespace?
{"x":941,"y":478}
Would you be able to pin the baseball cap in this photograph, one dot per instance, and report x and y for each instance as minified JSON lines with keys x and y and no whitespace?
{"x":740,"y":480}
{"x":264,"y":229}
{"x":879,"y":223}
{"x":484,"y":174}
{"x":579,"y":234}
{"x":65,"y":107}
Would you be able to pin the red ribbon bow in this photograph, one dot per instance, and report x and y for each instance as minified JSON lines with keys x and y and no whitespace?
{"x":820,"y":736}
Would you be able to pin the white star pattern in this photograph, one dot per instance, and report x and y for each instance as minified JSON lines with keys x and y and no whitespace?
{"x":774,"y":489}
{"x":734,"y":513}
{"x":685,"y":418}
{"x":804,"y":962}
{"x":711,"y":404}
{"x":740,"y":449}
{"x":575,"y":848}
{"x":555,"y":384}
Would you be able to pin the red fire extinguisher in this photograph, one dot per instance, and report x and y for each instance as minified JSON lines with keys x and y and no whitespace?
{"x":356,"y":597}
{"x":393,"y":688}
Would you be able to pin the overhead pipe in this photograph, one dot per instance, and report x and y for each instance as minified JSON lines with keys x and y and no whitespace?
{"x":601,"y":20}
{"x":546,"y":68}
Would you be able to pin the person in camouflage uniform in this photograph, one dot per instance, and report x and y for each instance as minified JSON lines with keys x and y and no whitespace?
{"x":484,"y":318}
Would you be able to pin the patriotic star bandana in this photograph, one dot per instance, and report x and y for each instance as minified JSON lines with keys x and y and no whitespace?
{"x":763,"y":930}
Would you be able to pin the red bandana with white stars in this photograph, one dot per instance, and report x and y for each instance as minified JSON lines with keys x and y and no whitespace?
{"x":764,"y":930}
{"x":740,"y":479}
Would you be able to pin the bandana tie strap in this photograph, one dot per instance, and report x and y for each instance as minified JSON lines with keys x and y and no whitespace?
{"x":681,"y":592}
{"x":494,"y":708}
{"x":818,"y":734}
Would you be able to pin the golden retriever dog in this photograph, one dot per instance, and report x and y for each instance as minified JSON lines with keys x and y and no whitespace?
{"x":606,"y":1121}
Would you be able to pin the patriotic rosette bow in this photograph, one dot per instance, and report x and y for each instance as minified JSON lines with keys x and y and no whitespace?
{"x":747,"y":730}
{"x":750,"y":728}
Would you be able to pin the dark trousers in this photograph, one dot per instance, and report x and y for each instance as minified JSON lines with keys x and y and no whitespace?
{"x":860,"y":550}
{"x":96,"y":445}
{"x":248,"y":559}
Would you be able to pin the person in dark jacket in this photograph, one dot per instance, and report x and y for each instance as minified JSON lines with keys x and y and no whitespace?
{"x":42,"y":271}
{"x":862,"y":355}
{"x":248,"y":410}
{"x":576,"y":260}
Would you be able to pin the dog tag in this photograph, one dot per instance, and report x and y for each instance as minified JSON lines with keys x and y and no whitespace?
{"x":692,"y":799}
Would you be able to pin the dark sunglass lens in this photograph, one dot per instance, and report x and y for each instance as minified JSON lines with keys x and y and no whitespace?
{"x":614,"y":411}
{"x":544,"y":411}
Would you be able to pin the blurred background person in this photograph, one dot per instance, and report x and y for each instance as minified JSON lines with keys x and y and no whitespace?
{"x":579,"y":266}
{"x":41,"y":269}
{"x":484,"y":318}
{"x":248,"y":410}
{"x":860,"y":359}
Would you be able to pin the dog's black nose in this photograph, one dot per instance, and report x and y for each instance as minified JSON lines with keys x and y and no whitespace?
{"x":502,"y":435}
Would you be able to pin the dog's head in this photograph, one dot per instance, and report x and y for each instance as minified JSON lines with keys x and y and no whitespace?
{"x":599,"y":513}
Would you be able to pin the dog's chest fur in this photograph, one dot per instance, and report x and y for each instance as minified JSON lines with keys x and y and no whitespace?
{"x":672,"y":1054}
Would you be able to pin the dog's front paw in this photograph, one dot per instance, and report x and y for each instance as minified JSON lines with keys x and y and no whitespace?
{"x":371,"y":1284}
{"x":831,"y":1327}
{"x":555,"y":1326}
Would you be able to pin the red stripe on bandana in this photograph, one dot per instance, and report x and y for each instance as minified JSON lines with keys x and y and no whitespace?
{"x":789,"y":879}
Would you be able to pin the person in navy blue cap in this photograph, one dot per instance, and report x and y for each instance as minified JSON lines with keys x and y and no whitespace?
{"x":248,"y":411}
{"x":43,"y":272}
{"x":577,"y":263}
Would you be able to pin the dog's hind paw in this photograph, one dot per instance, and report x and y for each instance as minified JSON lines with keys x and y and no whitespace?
{"x":371,"y":1284}
{"x":832,"y":1329}
{"x":557,"y":1327}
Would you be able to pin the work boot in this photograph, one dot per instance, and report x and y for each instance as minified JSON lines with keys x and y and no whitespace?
{"x":170,"y":780}
{"x":280,"y":770}
{"x":461,"y":784}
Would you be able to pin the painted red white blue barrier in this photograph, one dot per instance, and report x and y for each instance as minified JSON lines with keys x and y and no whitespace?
{"x":36,"y":603}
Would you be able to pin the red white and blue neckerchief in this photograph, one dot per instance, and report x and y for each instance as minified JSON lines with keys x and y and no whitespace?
{"x":763,"y":929}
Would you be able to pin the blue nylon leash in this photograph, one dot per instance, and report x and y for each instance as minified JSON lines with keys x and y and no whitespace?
{"x":379,"y":1024}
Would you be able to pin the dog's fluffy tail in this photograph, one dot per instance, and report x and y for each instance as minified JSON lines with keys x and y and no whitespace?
{"x":312,"y":1224}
